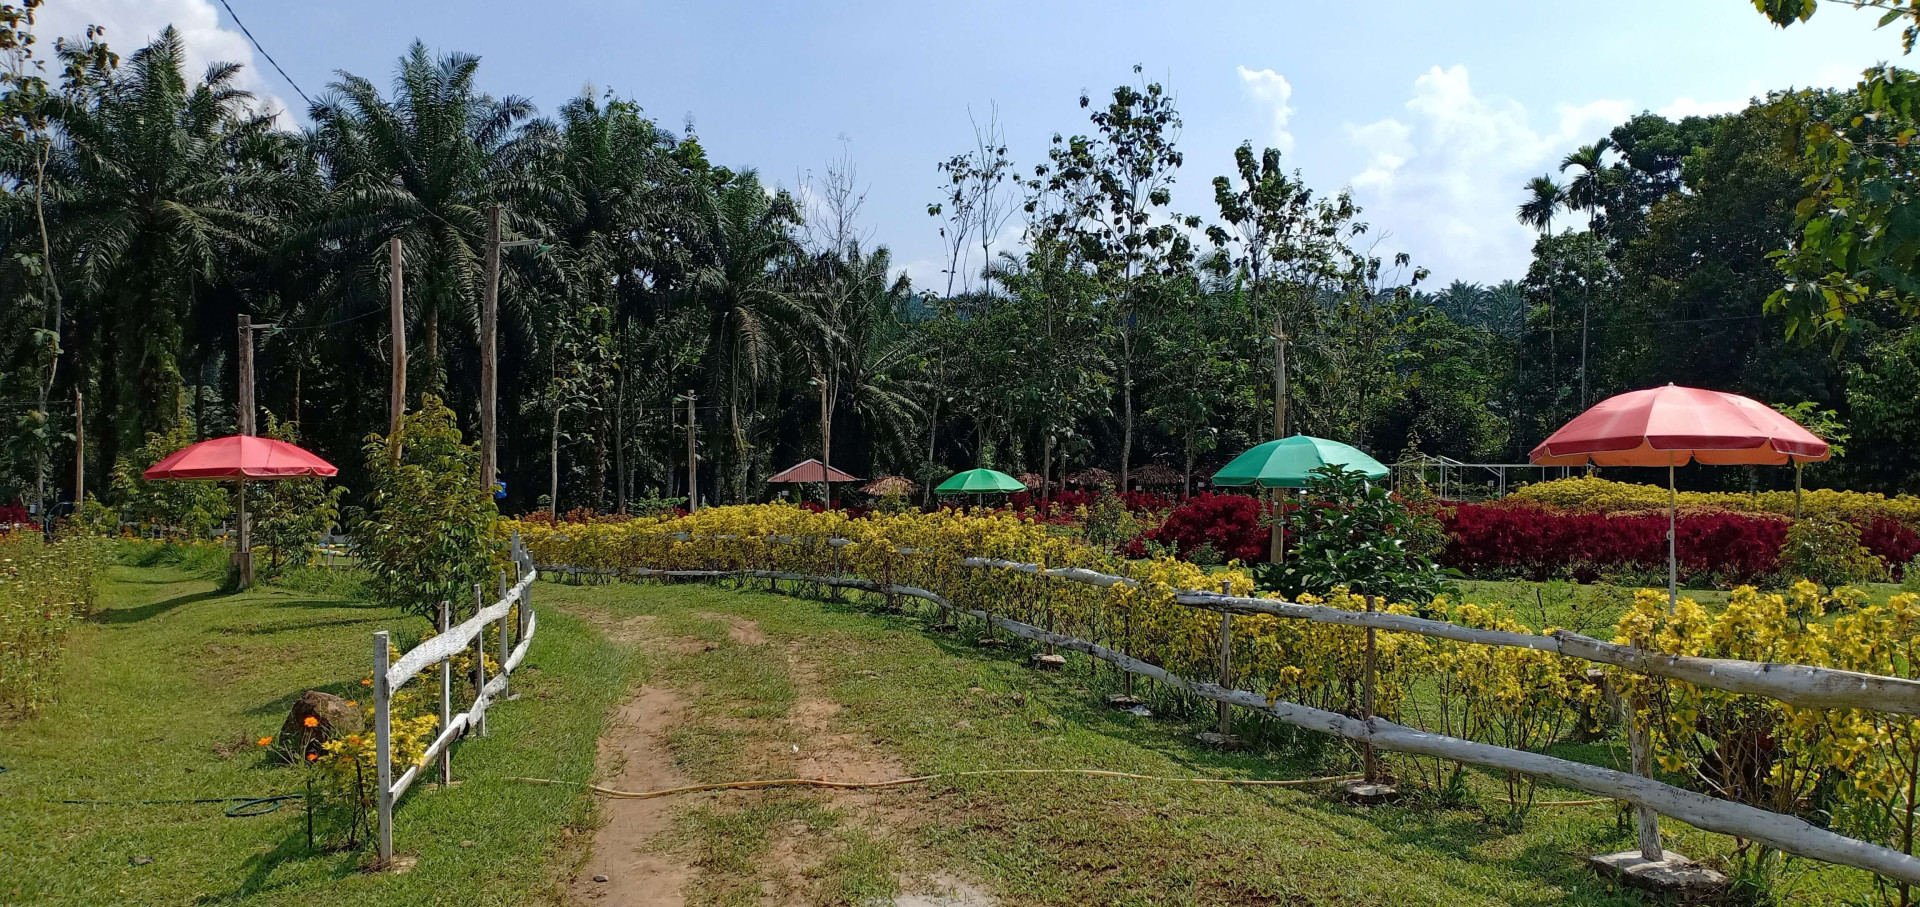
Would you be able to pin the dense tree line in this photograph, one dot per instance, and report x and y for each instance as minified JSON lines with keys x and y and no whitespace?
{"x":147,"y":207}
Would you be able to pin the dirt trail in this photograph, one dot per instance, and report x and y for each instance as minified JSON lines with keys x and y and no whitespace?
{"x":634,"y":756}
{"x":630,"y":849}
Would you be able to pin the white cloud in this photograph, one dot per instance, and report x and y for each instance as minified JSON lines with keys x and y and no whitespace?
{"x":1272,"y":91}
{"x":1681,"y":108}
{"x":131,"y":24}
{"x":1445,"y":177}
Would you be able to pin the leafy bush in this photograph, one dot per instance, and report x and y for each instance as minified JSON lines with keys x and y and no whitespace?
{"x":1587,"y":495}
{"x":1353,"y":534}
{"x":178,"y":510}
{"x":426,"y":535}
{"x":289,"y":515}
{"x":1520,"y":540}
{"x":44,"y":590}
{"x":1227,"y":524}
{"x":1893,"y":542}
{"x":1827,"y":550}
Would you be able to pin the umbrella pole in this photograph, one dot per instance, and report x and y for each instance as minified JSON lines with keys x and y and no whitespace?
{"x":243,"y":548}
{"x":1673,"y":562}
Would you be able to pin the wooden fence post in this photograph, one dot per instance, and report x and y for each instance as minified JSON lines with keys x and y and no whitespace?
{"x":506,"y":644}
{"x":480,"y":656}
{"x":446,"y":695}
{"x":1225,"y":711}
{"x":1367,"y":700}
{"x":382,"y":749}
{"x":1641,"y":750}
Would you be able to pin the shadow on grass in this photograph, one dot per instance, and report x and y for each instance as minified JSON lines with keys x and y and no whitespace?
{"x":292,"y":848}
{"x":152,"y":609}
{"x":298,"y":625}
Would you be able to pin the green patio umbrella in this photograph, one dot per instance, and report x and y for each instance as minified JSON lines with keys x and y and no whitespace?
{"x":980,"y":481}
{"x":1288,"y":463}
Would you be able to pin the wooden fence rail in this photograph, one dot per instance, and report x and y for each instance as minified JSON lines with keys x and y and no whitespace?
{"x":1801,"y":685}
{"x":513,"y":614}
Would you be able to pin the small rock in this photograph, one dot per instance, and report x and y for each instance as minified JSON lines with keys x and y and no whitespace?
{"x":142,"y":861}
{"x":1218,"y":740}
{"x":1369,"y":794}
{"x":332,"y":717}
{"x":466,"y":843}
{"x":1140,"y":711}
{"x":1122,"y":701}
{"x":976,"y":689}
{"x":1049,"y":662}
{"x":599,"y":878}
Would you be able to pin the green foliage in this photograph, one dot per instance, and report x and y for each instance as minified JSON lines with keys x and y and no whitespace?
{"x":1110,"y":525}
{"x":180,"y":511}
{"x":1352,"y":533}
{"x":426,"y":536}
{"x":290,"y":515}
{"x":44,"y":591}
{"x":1827,"y":550}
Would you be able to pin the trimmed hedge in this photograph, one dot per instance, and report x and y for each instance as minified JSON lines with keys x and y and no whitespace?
{"x":1587,"y":495}
{"x":1531,"y":542}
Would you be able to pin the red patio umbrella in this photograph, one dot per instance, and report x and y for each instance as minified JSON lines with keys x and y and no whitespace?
{"x":1671,"y":426}
{"x":240,"y":457}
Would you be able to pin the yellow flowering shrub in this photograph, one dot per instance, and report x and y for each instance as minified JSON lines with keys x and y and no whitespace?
{"x":1593,"y":495}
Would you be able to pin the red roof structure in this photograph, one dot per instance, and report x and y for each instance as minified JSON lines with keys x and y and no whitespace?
{"x":811,"y":470}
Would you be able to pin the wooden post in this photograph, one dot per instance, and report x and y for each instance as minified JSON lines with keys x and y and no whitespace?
{"x":243,"y":551}
{"x":382,"y":749}
{"x":506,"y":643}
{"x":397,"y":304}
{"x":693,"y":461}
{"x":1641,"y":751}
{"x":1225,"y":711}
{"x":479,"y":656}
{"x":79,"y":450}
{"x":826,"y":444}
{"x":489,"y":377}
{"x":446,"y":695}
{"x":1367,"y":699}
{"x":523,"y":564}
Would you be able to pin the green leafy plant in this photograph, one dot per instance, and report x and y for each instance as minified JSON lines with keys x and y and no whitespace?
{"x":178,"y":510}
{"x":1828,"y":551}
{"x":291,"y":514}
{"x":1352,"y":533}
{"x":425,"y":535}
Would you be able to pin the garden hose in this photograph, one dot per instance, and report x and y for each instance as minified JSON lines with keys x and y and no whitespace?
{"x":243,"y":808}
{"x":920,"y":779}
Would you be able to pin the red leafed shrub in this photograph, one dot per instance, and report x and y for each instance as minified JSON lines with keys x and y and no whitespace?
{"x":14,"y":513}
{"x":1514,"y":539}
{"x":1895,"y":542}
{"x":1229,"y":523}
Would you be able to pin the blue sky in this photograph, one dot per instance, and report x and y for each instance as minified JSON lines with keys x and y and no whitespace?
{"x":1433,"y":114}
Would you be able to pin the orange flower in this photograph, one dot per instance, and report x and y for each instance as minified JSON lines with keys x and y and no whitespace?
{"x":265,"y":741}
{"x":311,"y":721}
{"x":311,"y":757}
{"x":352,"y":703}
{"x":367,"y":682}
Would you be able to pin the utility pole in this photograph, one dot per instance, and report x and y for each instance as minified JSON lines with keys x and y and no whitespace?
{"x":693,"y":462}
{"x":397,"y":403}
{"x":1583,"y":350}
{"x":243,"y":554}
{"x":1277,"y":533}
{"x":489,"y":339}
{"x":79,"y":450}
{"x":826,"y":441}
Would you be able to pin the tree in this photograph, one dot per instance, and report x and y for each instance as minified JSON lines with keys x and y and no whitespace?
{"x":1113,"y":190}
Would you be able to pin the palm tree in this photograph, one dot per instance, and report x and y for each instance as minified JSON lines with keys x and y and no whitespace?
{"x":422,"y":166}
{"x":868,"y":354}
{"x":1544,"y":198}
{"x":1583,"y":194}
{"x":160,"y":206}
{"x":750,"y":311}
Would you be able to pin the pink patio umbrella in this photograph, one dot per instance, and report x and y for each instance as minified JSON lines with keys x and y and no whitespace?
{"x":243,"y":458}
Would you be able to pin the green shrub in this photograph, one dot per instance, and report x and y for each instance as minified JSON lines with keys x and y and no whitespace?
{"x":289,"y":515}
{"x":1352,"y":533}
{"x":425,"y":535}
{"x":177,"y":510}
{"x":1827,"y":550}
{"x":44,"y":590}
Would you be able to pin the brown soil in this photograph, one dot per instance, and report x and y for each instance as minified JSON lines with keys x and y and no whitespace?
{"x":634,"y":756}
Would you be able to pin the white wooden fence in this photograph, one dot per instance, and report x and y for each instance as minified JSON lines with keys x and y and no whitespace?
{"x":1800,"y":685}
{"x":516,"y":629}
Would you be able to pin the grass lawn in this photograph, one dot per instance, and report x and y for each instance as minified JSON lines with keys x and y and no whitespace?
{"x":938,"y":703}
{"x":165,"y":690}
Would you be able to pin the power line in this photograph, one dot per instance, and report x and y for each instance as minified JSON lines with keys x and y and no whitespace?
{"x":263,"y":52}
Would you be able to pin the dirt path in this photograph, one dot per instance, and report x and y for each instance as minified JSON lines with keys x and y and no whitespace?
{"x":633,"y":861}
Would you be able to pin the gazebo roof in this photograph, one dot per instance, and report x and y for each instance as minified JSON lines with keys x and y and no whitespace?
{"x":887,"y":486}
{"x":1094,"y":476}
{"x":1156,"y":474}
{"x":811,"y":470}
